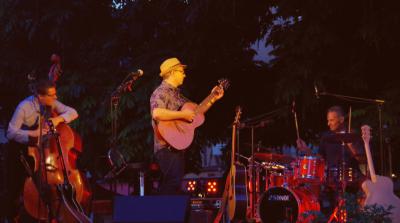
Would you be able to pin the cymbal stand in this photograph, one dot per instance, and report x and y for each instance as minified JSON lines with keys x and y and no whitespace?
{"x":339,"y":214}
{"x":253,"y":123}
{"x":252,"y":169}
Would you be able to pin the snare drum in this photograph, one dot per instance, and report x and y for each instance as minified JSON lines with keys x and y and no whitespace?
{"x":285,"y":179}
{"x":279,"y":204}
{"x":309,"y":169}
{"x":276,"y":180}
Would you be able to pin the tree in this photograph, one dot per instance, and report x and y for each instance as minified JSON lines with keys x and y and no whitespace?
{"x":344,"y":47}
{"x":100,"y":43}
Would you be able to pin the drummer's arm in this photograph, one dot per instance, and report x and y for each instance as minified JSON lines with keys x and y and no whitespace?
{"x":302,"y":146}
{"x":352,"y":148}
{"x":357,"y":152}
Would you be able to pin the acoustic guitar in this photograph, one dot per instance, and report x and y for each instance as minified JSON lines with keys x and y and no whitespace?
{"x":237,"y":193}
{"x":379,"y":190}
{"x":234,"y":198}
{"x":179,"y":133}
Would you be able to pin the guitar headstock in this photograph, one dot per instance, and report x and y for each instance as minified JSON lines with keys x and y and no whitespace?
{"x":238,"y":114}
{"x":218,"y":90}
{"x":366,"y":133}
{"x":223,"y":83}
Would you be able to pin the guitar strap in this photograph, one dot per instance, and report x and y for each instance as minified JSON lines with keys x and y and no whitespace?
{"x":225,"y":198}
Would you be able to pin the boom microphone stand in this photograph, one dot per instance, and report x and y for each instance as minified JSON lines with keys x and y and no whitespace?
{"x":126,"y":85}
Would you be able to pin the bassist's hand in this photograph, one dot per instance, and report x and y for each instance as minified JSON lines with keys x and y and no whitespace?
{"x":188,"y":115}
{"x":36,"y":133}
{"x":56,"y":120}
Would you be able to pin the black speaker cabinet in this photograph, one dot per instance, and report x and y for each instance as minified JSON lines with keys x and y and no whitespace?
{"x":151,"y":209}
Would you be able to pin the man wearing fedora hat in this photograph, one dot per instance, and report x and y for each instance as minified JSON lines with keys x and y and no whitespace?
{"x":165,"y":104}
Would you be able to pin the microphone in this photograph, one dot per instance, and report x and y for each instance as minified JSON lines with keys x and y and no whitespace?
{"x":316,"y":91}
{"x":137,"y":73}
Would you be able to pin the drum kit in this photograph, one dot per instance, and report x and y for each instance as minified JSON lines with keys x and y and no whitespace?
{"x":285,"y":188}
{"x":281,"y":188}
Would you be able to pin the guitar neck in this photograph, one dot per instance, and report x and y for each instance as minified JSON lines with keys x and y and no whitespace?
{"x":233,"y":144}
{"x":370,"y":162}
{"x":205,"y":104}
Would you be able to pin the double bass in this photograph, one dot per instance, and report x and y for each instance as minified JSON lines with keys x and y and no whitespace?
{"x":56,"y":190}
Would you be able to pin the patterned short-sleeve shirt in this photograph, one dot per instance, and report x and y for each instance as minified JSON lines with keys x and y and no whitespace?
{"x":168,"y":97}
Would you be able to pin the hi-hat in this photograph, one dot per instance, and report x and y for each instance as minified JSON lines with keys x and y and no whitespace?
{"x":273,"y":157}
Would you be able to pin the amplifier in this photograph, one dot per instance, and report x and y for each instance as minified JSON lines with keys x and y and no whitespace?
{"x":205,"y":203}
{"x":202,"y":216}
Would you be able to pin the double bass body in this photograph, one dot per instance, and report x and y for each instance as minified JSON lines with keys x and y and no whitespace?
{"x":51,"y":202}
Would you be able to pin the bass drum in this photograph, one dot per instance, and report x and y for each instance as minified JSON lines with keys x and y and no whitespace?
{"x":279,"y":204}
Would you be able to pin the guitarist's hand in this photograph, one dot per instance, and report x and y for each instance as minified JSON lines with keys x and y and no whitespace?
{"x":188,"y":115}
{"x":219,"y":92}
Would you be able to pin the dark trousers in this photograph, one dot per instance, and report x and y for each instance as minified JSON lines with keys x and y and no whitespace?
{"x":13,"y":177}
{"x":172,"y":164}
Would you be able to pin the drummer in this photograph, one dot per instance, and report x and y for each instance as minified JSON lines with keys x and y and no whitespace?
{"x":331,"y":151}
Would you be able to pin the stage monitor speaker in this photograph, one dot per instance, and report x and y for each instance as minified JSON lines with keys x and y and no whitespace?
{"x":151,"y":209}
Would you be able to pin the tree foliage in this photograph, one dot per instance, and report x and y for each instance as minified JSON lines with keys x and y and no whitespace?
{"x":345,"y":47}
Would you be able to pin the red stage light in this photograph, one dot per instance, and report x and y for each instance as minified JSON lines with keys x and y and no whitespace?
{"x":191,"y":186}
{"x":212,"y":186}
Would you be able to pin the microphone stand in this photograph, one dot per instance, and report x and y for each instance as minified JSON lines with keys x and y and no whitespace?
{"x":379,"y":103}
{"x":126,"y":85}
{"x":356,"y":99}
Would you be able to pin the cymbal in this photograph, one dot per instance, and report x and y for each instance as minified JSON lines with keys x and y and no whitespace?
{"x":258,"y":147}
{"x":340,"y":137}
{"x":255,"y":144}
{"x":273,"y":157}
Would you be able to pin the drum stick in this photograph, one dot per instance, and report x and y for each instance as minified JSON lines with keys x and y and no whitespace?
{"x":297,"y":125}
{"x":295,"y":119}
{"x":349,"y":120}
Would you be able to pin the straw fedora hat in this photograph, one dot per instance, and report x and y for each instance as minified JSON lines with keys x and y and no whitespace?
{"x":170,"y":64}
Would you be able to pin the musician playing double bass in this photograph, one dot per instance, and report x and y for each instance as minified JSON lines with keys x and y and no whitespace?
{"x":165,"y":104}
{"x":23,"y":129}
